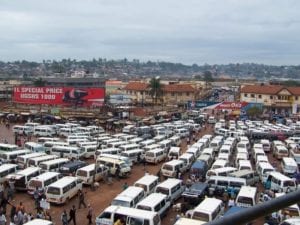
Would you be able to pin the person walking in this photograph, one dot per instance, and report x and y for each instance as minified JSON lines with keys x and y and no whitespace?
{"x":72,"y":215}
{"x":2,"y":218}
{"x":64,"y":218}
{"x":90,"y":214}
{"x":81,"y":199}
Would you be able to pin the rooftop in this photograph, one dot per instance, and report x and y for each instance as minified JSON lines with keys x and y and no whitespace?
{"x":269,"y":89}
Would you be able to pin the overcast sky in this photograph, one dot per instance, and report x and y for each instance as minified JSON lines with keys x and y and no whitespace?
{"x":189,"y":31}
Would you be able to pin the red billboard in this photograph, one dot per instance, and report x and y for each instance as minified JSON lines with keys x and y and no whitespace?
{"x":231,"y":105}
{"x":65,"y":96}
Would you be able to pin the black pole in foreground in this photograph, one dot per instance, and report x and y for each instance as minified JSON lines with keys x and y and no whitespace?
{"x":263,"y":209}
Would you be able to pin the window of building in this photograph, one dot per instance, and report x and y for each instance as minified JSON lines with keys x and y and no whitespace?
{"x":271,"y":97}
{"x":172,"y":94}
{"x":259,"y":96}
{"x":296,"y":98}
{"x":246,"y":95}
{"x":279,"y":97}
{"x":252,"y":95}
{"x":179,"y":94}
{"x":188,"y":94}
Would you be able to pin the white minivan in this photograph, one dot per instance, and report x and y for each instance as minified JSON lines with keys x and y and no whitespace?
{"x":129,"y":197}
{"x":172,"y":168}
{"x":63,"y":190}
{"x":209,"y":209}
{"x":148,"y":183}
{"x":171,"y":187}
{"x":155,"y":155}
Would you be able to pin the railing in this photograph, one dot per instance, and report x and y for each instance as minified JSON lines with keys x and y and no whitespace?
{"x":249,"y":214}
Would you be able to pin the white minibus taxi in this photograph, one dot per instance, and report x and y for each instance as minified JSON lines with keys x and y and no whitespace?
{"x":7,"y":147}
{"x":23,"y":159}
{"x":247,"y":197}
{"x":151,"y":147}
{"x":49,"y":144}
{"x":53,"y":165}
{"x":22,"y":177}
{"x":37,"y":160}
{"x":135,"y":155}
{"x":263,"y":169}
{"x":63,"y":190}
{"x":34,"y":147}
{"x":188,"y":221}
{"x":42,"y":181}
{"x":67,"y":151}
{"x":148,"y":183}
{"x":208,"y":210}
{"x":289,"y":166}
{"x":174,"y":153}
{"x":129,"y":197}
{"x":188,"y":160}
{"x":155,"y":155}
{"x":39,"y":222}
{"x":89,"y":151}
{"x":281,"y":183}
{"x":224,"y":171}
{"x":244,"y":165}
{"x":219,"y":163}
{"x":171,"y":187}
{"x":127,"y":216}
{"x":44,"y":131}
{"x":266,"y":145}
{"x":176,"y":141}
{"x":87,"y":174}
{"x":11,"y":157}
{"x":146,"y":143}
{"x":172,"y":168}
{"x":42,"y":140}
{"x":225,"y":182}
{"x":116,"y":144}
{"x":119,"y":157}
{"x":6,"y":169}
{"x":129,"y":147}
{"x":194,"y":151}
{"x":155,"y":202}
{"x":111,"y":151}
{"x":112,"y":165}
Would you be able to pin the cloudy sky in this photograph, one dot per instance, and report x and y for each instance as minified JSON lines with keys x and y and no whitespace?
{"x":189,"y":31}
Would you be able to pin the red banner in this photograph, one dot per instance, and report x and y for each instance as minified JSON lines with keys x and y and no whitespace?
{"x":66,"y":96}
{"x":232,"y":105}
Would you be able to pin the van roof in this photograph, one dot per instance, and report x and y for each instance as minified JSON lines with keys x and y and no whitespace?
{"x":130,"y":192}
{"x":59,"y":160}
{"x":279,"y":175}
{"x":63,"y":182}
{"x":147,"y":179}
{"x":155,"y":150}
{"x":170,"y":182}
{"x":289,"y":160}
{"x":152,"y":199}
{"x":28,"y":171}
{"x":185,"y":156}
{"x":247,"y":191}
{"x":7,"y":166}
{"x":16,"y":152}
{"x":208,"y":205}
{"x":39,"y":222}
{"x":32,"y":155}
{"x":240,"y":173}
{"x":44,"y":157}
{"x":131,"y":212}
{"x":226,"y":178}
{"x":174,"y":162}
{"x":46,"y":176}
{"x":33,"y":144}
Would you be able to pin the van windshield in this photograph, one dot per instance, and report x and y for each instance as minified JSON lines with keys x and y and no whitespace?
{"x":288,"y":183}
{"x":150,"y":154}
{"x":43,"y":166}
{"x":162,"y":190}
{"x":81,"y":173}
{"x":144,"y":207}
{"x":245,"y":200}
{"x":35,"y":183}
{"x":120,"y":203}
{"x":53,"y":190}
{"x":168,"y":167}
{"x":201,"y":216}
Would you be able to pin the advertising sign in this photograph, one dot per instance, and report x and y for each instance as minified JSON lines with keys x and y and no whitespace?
{"x":199,"y":104}
{"x":232,"y":105}
{"x":65,"y":96}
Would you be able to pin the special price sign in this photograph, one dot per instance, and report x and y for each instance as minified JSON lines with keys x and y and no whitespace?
{"x":59,"y":96}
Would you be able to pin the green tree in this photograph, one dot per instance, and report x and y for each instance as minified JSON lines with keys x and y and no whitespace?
{"x":208,"y":76}
{"x":254,"y":112}
{"x":39,"y":82}
{"x":155,"y":89}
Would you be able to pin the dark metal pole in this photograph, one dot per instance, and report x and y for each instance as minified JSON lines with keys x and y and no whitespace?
{"x":249,"y":214}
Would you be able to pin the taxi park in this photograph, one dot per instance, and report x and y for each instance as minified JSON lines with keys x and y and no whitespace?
{"x":238,"y":165}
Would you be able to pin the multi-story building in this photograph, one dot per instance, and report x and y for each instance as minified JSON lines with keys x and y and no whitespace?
{"x":171,"y":93}
{"x":276,"y":98}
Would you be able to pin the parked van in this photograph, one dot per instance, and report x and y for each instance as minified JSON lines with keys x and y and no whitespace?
{"x":8,"y":147}
{"x":225,"y":182}
{"x":247,"y":197}
{"x":165,"y":144}
{"x":129,"y":197}
{"x":171,"y":187}
{"x":151,"y":147}
{"x":23,"y":159}
{"x":134,"y":155}
{"x":207,"y":159}
{"x":34,"y":147}
{"x":70,"y":168}
{"x":188,"y":160}
{"x":155,"y":202}
{"x":262,"y":158}
{"x":204,"y":141}
{"x":194,"y":151}
{"x":174,"y":153}
{"x":113,"y":164}
{"x":257,"y":152}
{"x":220,"y":171}
{"x":111,"y":151}
{"x":146,"y":143}
{"x":42,"y":181}
{"x":244,"y":165}
{"x":89,"y":151}
{"x":280,"y":151}
{"x":182,"y":132}
{"x":67,"y":151}
{"x":130,"y":147}
{"x":63,"y":190}
{"x":293,"y":210}
{"x":49,"y":144}
{"x":281,"y":183}
{"x":251,"y":176}
{"x":44,"y":131}
{"x":37,"y":160}
{"x":6,"y":169}
{"x":266,"y":145}
{"x":172,"y":168}
{"x":175,"y":140}
{"x":42,"y":140}
{"x":87,"y":173}
{"x":188,"y":221}
{"x":239,"y":157}
{"x":21,"y":130}
{"x":209,"y":209}
{"x":289,"y":166}
{"x":155,"y":156}
{"x":209,"y":151}
{"x":116,"y":144}
{"x":119,"y":157}
{"x":263,"y":170}
{"x":77,"y":140}
{"x":148,"y":183}
{"x":39,"y":222}
{"x":215,"y":145}
{"x":53,"y":165}
{"x":22,"y":177}
{"x":136,"y":140}
{"x":11,"y":157}
{"x":219,"y":163}
{"x":129,"y":215}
